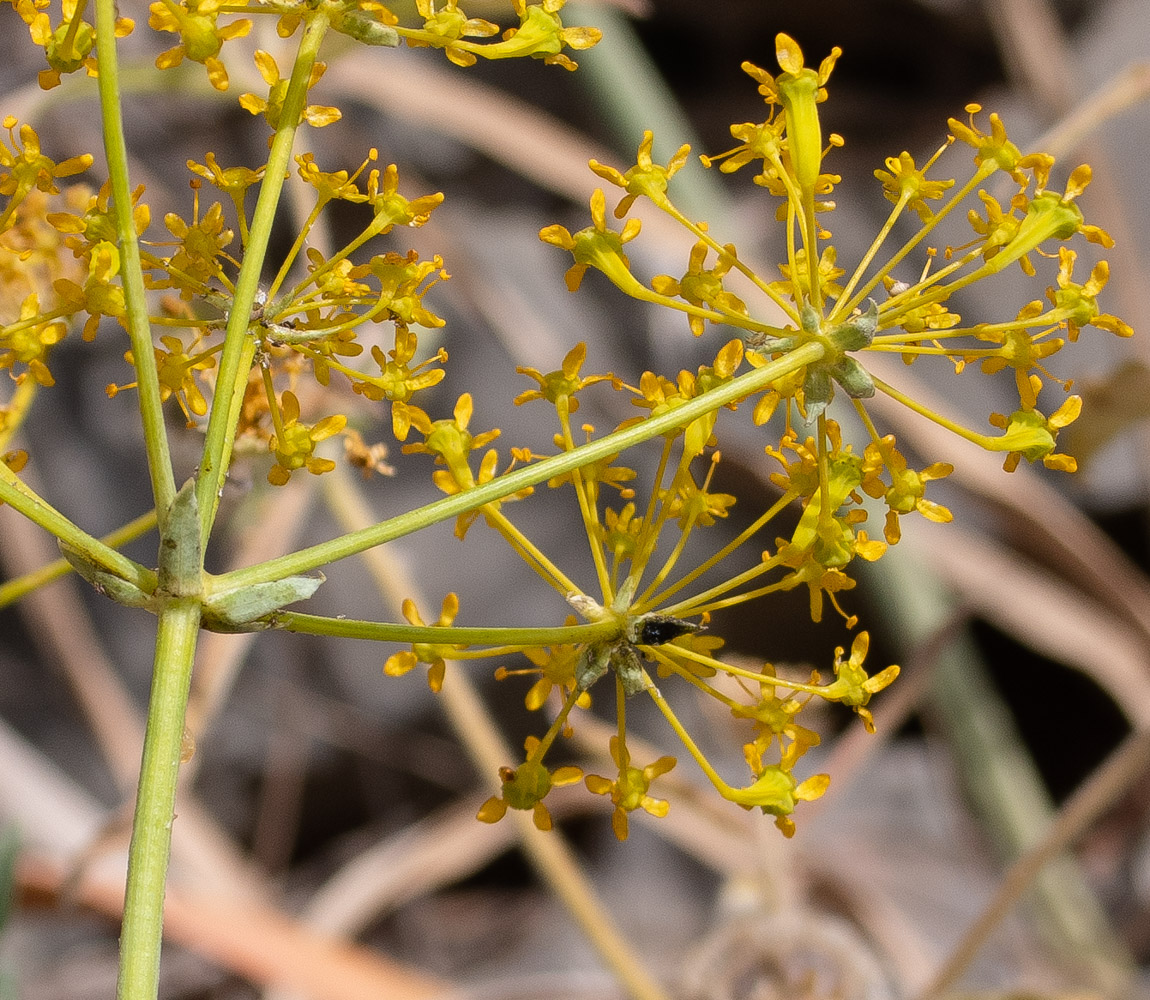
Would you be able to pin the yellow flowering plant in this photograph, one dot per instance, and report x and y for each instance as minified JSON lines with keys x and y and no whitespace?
{"x":255,"y":347}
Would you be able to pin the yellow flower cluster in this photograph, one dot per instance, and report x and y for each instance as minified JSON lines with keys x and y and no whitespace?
{"x":644,"y":618}
{"x":646,"y":595}
{"x":69,"y":42}
{"x":846,"y":319}
{"x":655,"y":607}
{"x":61,"y":258}
{"x":309,"y":325}
{"x":42,"y":279}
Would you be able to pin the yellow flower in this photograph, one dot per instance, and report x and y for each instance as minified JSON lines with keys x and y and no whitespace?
{"x":796,"y":282}
{"x":764,"y":142}
{"x":102,"y":294}
{"x":402,"y":287}
{"x":176,"y":370}
{"x":526,"y":786}
{"x":434,"y":654}
{"x":629,"y":789}
{"x":703,"y":286}
{"x":15,"y":460}
{"x":398,"y":380}
{"x":1077,"y":304}
{"x":541,"y":35}
{"x":24,"y":167}
{"x":798,"y":89}
{"x":903,"y":182}
{"x":293,"y":442}
{"x":994,"y":148}
{"x":555,"y":666}
{"x":444,"y":27}
{"x":907,"y":489}
{"x":234,"y":181}
{"x":774,"y":721}
{"x":620,"y":532}
{"x":564,"y":383}
{"x":693,"y":505}
{"x":67,"y":46}
{"x":271,"y":107}
{"x":1028,"y":434}
{"x":201,"y":246}
{"x":452,"y":443}
{"x":337,"y":185}
{"x":596,"y":246}
{"x":28,"y":342}
{"x":852,"y":685}
{"x":775,"y":790}
{"x":200,"y":37}
{"x":645,"y":178}
{"x":389,"y":205}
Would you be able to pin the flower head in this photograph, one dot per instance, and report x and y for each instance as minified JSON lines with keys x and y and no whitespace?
{"x":1028,"y":434}
{"x":23,"y":167}
{"x":564,"y":383}
{"x":646,"y":178}
{"x":596,"y":246}
{"x":67,"y":45}
{"x":853,"y":686}
{"x":629,"y":789}
{"x":525,"y":787}
{"x":434,"y":654}
{"x":271,"y":107}
{"x":293,"y":443}
{"x":200,"y":37}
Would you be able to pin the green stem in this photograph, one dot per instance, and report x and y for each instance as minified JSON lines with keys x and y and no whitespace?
{"x":236,"y":358}
{"x":132,"y":275}
{"x":22,"y":499}
{"x":845,"y":308}
{"x":12,"y":590}
{"x":142,"y":931}
{"x":355,"y":542}
{"x":986,"y":441}
{"x":692,"y":747}
{"x":292,"y":621}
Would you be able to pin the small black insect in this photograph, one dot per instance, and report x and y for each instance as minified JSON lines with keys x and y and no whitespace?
{"x":654,"y":630}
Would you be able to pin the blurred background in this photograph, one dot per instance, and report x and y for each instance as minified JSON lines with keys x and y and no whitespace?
{"x":326,"y":802}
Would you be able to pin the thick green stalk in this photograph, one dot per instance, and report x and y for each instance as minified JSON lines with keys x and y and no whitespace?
{"x":355,"y":542}
{"x":131,"y":274}
{"x":142,"y":932}
{"x":236,"y":358}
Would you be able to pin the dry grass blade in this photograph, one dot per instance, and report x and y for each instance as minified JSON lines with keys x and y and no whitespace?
{"x":510,"y":131}
{"x":1039,"y":51}
{"x":426,"y":855}
{"x":59,"y":621}
{"x":53,"y":814}
{"x":1035,"y":49}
